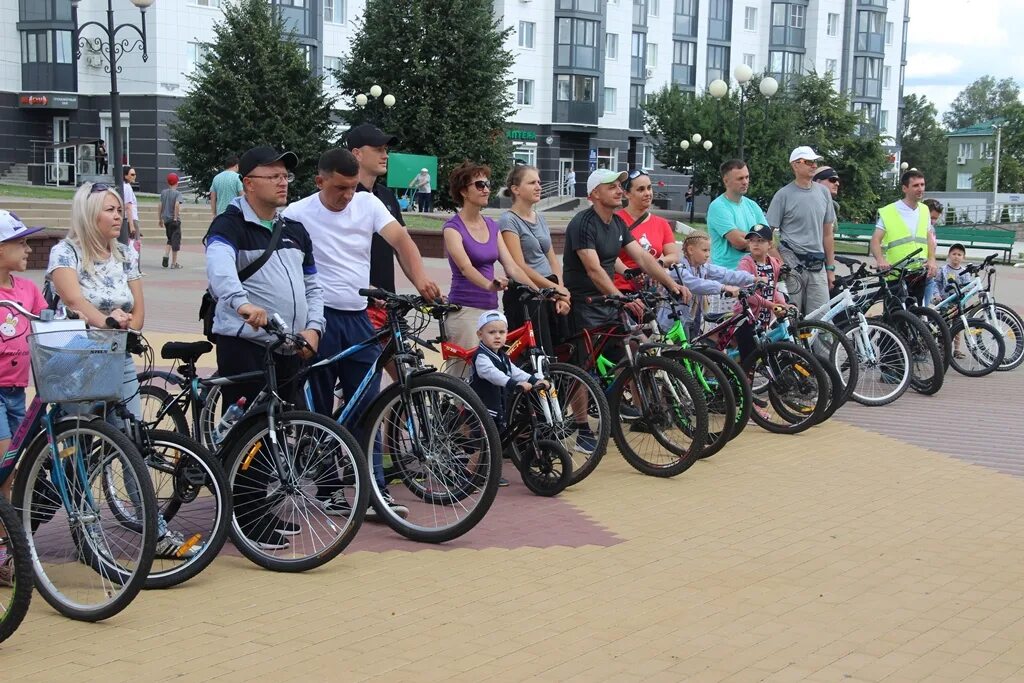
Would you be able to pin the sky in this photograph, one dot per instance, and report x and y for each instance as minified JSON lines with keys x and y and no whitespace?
{"x":950,"y":43}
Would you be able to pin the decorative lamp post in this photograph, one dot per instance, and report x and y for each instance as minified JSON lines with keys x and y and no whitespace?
{"x":698,"y":143}
{"x":743,"y":74}
{"x":107,"y":42}
{"x":375,"y":91}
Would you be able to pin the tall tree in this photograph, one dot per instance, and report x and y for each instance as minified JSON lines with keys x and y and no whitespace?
{"x":447,"y":66}
{"x":1011,"y":176}
{"x":923,"y":141}
{"x":983,"y":100}
{"x":253,"y":88}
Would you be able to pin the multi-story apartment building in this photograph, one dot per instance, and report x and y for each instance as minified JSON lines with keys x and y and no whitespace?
{"x":969,"y":150}
{"x":583,"y":68}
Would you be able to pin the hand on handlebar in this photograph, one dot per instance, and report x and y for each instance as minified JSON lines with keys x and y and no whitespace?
{"x":119,"y":318}
{"x":312,"y":342}
{"x":498,"y":284}
{"x":429,"y":290}
{"x":682,"y":292}
{"x":729,"y":290}
{"x":636,"y":308}
{"x":255,"y":316}
{"x":883,"y":265}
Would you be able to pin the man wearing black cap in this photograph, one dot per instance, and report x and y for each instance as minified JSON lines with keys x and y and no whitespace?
{"x":285,"y":284}
{"x":829,"y":178}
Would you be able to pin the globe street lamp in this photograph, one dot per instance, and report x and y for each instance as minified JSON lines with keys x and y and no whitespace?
{"x":698,"y":143}
{"x":744,"y":74}
{"x":108,"y":43}
{"x":375,"y":91}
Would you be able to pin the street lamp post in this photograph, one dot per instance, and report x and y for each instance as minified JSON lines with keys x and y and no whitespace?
{"x":114,"y":49}
{"x":698,"y":141}
{"x":743,"y":74}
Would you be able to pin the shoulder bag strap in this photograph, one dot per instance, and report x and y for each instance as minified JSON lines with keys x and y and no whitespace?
{"x":638,"y":221}
{"x":275,"y":238}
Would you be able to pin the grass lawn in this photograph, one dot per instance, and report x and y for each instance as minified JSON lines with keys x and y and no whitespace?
{"x":413,"y":220}
{"x":41,"y":192}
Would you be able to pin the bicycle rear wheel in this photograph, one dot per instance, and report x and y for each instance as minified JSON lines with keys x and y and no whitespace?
{"x":304,"y":518}
{"x":884,"y":363}
{"x":671,"y":431}
{"x":738,"y":384}
{"x":89,"y":562}
{"x":446,"y":451}
{"x":1009,"y":324}
{"x":837,"y":355}
{"x":789,"y":387}
{"x":160,"y":412}
{"x":978,"y":348}
{"x":927,"y":368}
{"x":717,"y":394}
{"x":939,"y":330}
{"x":15,"y":571}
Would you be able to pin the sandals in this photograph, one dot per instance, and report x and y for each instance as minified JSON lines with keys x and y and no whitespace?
{"x":176,"y":266}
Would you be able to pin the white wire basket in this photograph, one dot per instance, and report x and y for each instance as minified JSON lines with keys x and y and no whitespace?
{"x":73,"y":366}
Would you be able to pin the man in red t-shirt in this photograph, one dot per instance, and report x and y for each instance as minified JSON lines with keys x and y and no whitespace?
{"x":653,"y":233}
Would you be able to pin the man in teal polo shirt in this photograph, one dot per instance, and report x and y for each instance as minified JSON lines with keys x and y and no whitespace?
{"x":225,"y":187}
{"x":731,"y":215}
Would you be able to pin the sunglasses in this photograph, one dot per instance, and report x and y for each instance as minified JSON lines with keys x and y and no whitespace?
{"x":99,"y":187}
{"x":808,"y":162}
{"x":633,"y":175}
{"x":482,"y":184}
{"x":834,"y":181}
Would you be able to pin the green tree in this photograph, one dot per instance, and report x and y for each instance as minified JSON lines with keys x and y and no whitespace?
{"x":254,"y":88}
{"x":809,"y":111}
{"x":447,"y":66}
{"x":922,"y":140}
{"x":983,"y":100}
{"x":1011,"y":176}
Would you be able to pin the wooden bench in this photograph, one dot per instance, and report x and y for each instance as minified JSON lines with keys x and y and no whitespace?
{"x":990,"y":237}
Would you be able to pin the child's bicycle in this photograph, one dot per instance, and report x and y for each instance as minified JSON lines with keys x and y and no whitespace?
{"x":978,"y":348}
{"x":574,"y":409}
{"x":81,"y":489}
{"x":15,"y":571}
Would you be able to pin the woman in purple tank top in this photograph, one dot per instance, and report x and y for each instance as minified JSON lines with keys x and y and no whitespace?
{"x":472,"y":244}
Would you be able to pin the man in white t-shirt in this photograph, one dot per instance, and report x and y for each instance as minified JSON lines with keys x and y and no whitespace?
{"x":905,"y":227}
{"x":341,"y":223}
{"x":130,"y":226}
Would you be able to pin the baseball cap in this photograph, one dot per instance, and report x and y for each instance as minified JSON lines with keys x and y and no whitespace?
{"x":604,"y":176}
{"x":367,"y":134}
{"x":423,"y":170}
{"x":11,"y":227}
{"x":824,"y":173}
{"x":804,"y":152}
{"x":492,"y":316}
{"x":762,"y":231}
{"x":263,"y":155}
{"x":172,"y":178}
{"x":959,"y":246}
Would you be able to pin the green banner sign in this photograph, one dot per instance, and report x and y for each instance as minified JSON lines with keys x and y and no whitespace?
{"x":402,"y":168}
{"x":520,"y":135}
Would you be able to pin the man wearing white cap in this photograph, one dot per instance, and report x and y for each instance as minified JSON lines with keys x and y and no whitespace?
{"x":593,"y":240}
{"x":803,"y":214}
{"x":424,"y":199}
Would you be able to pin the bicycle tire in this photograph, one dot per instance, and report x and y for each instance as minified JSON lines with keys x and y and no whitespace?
{"x":939,"y":329}
{"x":836,"y":352}
{"x":121,"y":581}
{"x":447,"y":418}
{"x":796,"y":368}
{"x":546,"y":468}
{"x":737,"y":383}
{"x":598,"y":419}
{"x":659,"y":422}
{"x":717,"y":395}
{"x":1010,"y":324}
{"x":159,"y":411}
{"x":924,"y":352}
{"x":16,"y":588}
{"x":886,"y":364}
{"x":339,"y":464}
{"x":977,"y":362}
{"x":193,"y":470}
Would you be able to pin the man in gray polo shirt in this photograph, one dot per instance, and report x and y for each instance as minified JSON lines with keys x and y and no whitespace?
{"x":803,"y":214}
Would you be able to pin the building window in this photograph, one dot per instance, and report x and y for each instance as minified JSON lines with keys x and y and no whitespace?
{"x":525,"y":153}
{"x":748,"y":59}
{"x":35,"y":47}
{"x":527,"y":33}
{"x":640,"y":12}
{"x":608,"y":157}
{"x":611,"y":45}
{"x":62,"y":47}
{"x":637,"y":61}
{"x":718,"y":63}
{"x":524,"y":92}
{"x":888,"y":33}
{"x":574,"y":88}
{"x":636,"y":96}
{"x":652,"y":8}
{"x":685,"y":20}
{"x":796,"y":16}
{"x":684,"y":63}
{"x":577,"y":43}
{"x":331,"y":66}
{"x":647,"y":157}
{"x":652,"y":54}
{"x":216,"y":3}
{"x":867,"y":77}
{"x":609,"y":100}
{"x":720,"y":21}
{"x":870,"y":31}
{"x":870,"y":113}
{"x":579,"y":5}
{"x":334,"y":11}
{"x":986,"y":150}
{"x":966,"y":150}
{"x":886,"y":76}
{"x":749,"y":18}
{"x":883,"y":121}
{"x":830,"y":67}
{"x":832,"y":25}
{"x":964,"y":181}
{"x":785,"y":65}
{"x":197,"y":54}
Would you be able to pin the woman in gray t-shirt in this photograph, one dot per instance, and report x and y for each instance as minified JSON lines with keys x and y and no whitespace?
{"x":528,"y":239}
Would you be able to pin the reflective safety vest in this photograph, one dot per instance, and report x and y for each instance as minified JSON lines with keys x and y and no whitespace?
{"x":899,"y":241}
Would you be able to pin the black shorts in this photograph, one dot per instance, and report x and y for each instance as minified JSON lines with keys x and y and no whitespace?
{"x":173,"y":229}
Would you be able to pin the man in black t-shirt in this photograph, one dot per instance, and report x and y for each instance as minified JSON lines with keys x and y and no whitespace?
{"x":593,"y":240}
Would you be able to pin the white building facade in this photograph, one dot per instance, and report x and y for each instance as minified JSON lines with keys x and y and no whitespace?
{"x":583,"y":69}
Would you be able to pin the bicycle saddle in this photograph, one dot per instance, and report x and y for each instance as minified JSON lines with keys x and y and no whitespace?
{"x":189,"y":352}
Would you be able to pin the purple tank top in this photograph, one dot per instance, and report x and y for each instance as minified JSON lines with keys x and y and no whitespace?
{"x":482,"y":256}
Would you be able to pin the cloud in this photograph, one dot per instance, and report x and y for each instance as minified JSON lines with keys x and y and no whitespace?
{"x":926,"y":64}
{"x":959,"y":22}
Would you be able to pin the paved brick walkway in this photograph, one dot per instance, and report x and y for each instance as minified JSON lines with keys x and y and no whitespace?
{"x":842,"y":554}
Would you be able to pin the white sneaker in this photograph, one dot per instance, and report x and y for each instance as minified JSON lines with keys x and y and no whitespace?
{"x":389,"y":500}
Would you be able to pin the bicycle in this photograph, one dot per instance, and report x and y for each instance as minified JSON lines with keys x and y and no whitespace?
{"x":15,"y":571}
{"x":88,"y":563}
{"x":660,"y":418}
{"x":276,"y":459}
{"x":574,"y":410}
{"x":436,"y":432}
{"x":985,"y":345}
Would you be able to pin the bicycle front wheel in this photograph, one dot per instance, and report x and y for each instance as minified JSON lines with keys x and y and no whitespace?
{"x":445,"y":451}
{"x":717,"y":395}
{"x":838,"y":356}
{"x":738,"y":384}
{"x":939,"y":329}
{"x":978,"y":348}
{"x":883,"y":361}
{"x":927,"y":368}
{"x":90,"y":561}
{"x":15,"y":571}
{"x":299,"y":494}
{"x":790,"y":388}
{"x":670,"y":427}
{"x":159,"y":410}
{"x":1009,"y":324}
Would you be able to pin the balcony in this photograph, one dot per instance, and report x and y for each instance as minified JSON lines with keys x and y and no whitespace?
{"x":871,"y":42}
{"x":636,"y":118}
{"x":684,"y":75}
{"x":787,"y":36}
{"x":685,"y":25}
{"x":575,"y":112}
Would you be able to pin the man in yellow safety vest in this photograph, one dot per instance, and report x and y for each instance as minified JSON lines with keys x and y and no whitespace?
{"x":903,"y":227}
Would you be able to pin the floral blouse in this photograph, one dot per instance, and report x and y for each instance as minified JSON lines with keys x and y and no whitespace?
{"x":106,"y":287}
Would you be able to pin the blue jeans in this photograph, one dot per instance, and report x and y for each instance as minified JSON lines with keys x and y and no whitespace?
{"x":12,"y":410}
{"x":344,"y":329}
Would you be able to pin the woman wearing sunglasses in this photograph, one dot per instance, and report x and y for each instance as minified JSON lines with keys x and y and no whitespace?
{"x":653,"y":233}
{"x":473,"y":247}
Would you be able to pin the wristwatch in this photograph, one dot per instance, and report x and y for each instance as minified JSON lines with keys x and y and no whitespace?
{"x":831,"y":268}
